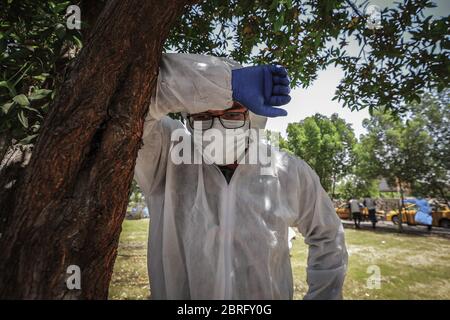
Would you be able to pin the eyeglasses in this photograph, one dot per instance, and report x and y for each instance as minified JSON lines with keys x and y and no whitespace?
{"x":229,"y":120}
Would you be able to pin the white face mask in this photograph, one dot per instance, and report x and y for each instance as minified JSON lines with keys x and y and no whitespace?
{"x":222,"y":146}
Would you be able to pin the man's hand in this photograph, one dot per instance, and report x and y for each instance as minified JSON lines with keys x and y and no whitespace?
{"x":261,"y":89}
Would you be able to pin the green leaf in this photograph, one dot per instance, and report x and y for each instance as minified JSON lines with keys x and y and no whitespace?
{"x":39,"y":94}
{"x":44,"y":108}
{"x":416,"y":98}
{"x":31,"y":109}
{"x":279,"y":22}
{"x":27,"y":67}
{"x":6,"y":106}
{"x":40,"y":77}
{"x":22,"y":100}
{"x":9,"y":86}
{"x":77,"y":41}
{"x":61,"y":7}
{"x":28,"y":140}
{"x":60,"y":31}
{"x":23,"y":119}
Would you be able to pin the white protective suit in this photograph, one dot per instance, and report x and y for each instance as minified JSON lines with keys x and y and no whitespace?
{"x":354,"y":205}
{"x":212,"y":240}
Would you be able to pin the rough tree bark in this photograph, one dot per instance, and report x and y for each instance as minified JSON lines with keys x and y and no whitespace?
{"x":69,"y":204}
{"x":90,"y":10}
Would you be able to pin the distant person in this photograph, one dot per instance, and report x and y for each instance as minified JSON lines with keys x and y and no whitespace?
{"x":371,"y":206}
{"x":356,"y":213}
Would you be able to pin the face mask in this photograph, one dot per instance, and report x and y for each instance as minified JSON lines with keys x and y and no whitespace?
{"x":222,"y":146}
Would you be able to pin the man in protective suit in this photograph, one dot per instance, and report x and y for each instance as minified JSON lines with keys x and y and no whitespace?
{"x":219,"y":227}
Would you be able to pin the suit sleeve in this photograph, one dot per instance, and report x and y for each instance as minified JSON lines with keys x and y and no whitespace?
{"x":324,"y":234}
{"x":192,"y":83}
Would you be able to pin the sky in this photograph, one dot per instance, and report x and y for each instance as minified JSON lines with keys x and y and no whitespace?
{"x":317,"y":97}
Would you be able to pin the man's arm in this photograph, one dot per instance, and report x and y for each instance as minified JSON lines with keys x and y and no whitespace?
{"x":323,"y":232}
{"x":191,"y":83}
{"x":186,"y":83}
{"x":194,"y":83}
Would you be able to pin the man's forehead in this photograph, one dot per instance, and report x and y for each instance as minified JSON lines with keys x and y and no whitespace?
{"x":235,"y":107}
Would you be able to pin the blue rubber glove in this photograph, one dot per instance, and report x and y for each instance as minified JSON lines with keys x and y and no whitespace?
{"x":261,"y":88}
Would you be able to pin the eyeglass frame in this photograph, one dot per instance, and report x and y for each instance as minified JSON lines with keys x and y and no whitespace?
{"x":246,"y":115}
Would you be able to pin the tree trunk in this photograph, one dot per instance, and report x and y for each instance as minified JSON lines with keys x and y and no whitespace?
{"x":334,"y":185}
{"x":402,"y":207}
{"x":90,"y":11}
{"x":70,"y":203}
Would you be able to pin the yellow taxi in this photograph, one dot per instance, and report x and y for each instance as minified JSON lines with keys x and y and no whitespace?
{"x":440,"y":215}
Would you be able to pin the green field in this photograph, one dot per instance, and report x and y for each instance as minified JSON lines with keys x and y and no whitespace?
{"x":412,"y":267}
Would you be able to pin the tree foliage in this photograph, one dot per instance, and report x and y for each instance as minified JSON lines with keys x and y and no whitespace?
{"x":35,"y":46}
{"x":434,"y":114}
{"x":353,"y":186}
{"x":393,"y":66}
{"x":411,"y":150}
{"x":326,"y":144}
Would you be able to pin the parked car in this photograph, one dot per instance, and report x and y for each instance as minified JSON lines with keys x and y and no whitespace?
{"x":440,"y":215}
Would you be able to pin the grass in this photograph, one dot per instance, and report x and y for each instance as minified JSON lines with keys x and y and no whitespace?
{"x":130,"y":280}
{"x":412,"y":267}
